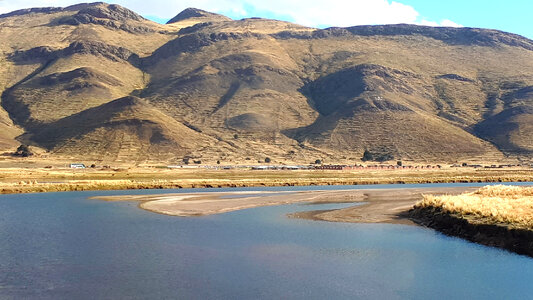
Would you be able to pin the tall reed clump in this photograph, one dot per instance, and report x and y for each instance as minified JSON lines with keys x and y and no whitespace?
{"x":499,"y":204}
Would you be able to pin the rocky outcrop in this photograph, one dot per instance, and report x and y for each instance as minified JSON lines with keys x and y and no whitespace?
{"x":194,"y":42}
{"x":96,"y":48}
{"x":110,"y":16}
{"x":449,"y":35}
{"x":33,"y":55}
{"x":44,"y":53}
{"x":454,"y":77}
{"x":111,"y":12}
{"x":38,"y":10}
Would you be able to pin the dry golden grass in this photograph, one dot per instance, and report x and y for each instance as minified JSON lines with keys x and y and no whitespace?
{"x":500,"y":204}
{"x":38,"y":179}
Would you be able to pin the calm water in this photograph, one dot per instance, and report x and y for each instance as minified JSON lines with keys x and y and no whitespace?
{"x":61,"y":245}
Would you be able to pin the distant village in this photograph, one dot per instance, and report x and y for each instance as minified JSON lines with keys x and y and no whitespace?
{"x":339,"y":167}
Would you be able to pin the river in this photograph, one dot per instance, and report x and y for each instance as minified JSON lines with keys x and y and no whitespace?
{"x":65,"y":246}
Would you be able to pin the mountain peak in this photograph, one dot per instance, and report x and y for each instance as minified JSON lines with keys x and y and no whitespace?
{"x":193,"y":13}
{"x":95,"y":9}
{"x":109,"y":11}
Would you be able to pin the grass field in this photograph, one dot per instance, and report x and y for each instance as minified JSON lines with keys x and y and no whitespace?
{"x":27,"y":180}
{"x":500,"y":204}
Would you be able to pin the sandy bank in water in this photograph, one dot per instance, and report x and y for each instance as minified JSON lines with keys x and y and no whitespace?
{"x":370,"y":205}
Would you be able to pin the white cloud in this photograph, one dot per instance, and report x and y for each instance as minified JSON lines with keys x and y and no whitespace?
{"x":315,"y":13}
{"x":444,"y":23}
{"x":10,"y":5}
{"x":339,"y":12}
{"x":449,"y":23}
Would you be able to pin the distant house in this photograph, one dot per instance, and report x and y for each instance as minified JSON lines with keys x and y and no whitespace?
{"x":291,"y":167}
{"x":331,"y":167}
{"x":260,"y":167}
{"x":77,"y":166}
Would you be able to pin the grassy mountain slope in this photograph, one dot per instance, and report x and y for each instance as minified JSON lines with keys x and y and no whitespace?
{"x":126,"y":129}
{"x":208,"y":87}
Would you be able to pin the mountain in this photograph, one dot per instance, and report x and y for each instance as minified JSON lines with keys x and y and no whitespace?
{"x":197,"y":15}
{"x":98,"y":81}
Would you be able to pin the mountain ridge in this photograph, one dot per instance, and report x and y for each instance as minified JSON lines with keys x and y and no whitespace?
{"x":253,"y":88}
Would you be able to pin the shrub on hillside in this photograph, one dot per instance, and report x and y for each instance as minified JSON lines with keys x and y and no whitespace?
{"x":23,"y":151}
{"x":379,"y":156}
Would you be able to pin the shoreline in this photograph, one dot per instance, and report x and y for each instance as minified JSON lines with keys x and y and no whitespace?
{"x":103,"y":185}
{"x":379,"y":206}
{"x":498,"y":216}
{"x":501,"y":236}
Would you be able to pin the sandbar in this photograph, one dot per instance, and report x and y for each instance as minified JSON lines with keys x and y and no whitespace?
{"x":370,"y":205}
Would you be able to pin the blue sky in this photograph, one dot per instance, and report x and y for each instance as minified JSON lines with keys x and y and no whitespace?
{"x":514,"y":16}
{"x":511,"y":15}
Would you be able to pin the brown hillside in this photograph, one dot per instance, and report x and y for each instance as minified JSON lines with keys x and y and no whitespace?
{"x":99,"y":80}
{"x":126,"y":129}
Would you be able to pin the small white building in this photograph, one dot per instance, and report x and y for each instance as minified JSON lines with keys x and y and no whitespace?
{"x":77,"y":166}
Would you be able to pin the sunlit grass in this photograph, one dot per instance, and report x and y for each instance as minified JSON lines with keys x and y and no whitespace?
{"x":27,"y":180}
{"x":512,"y":205}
